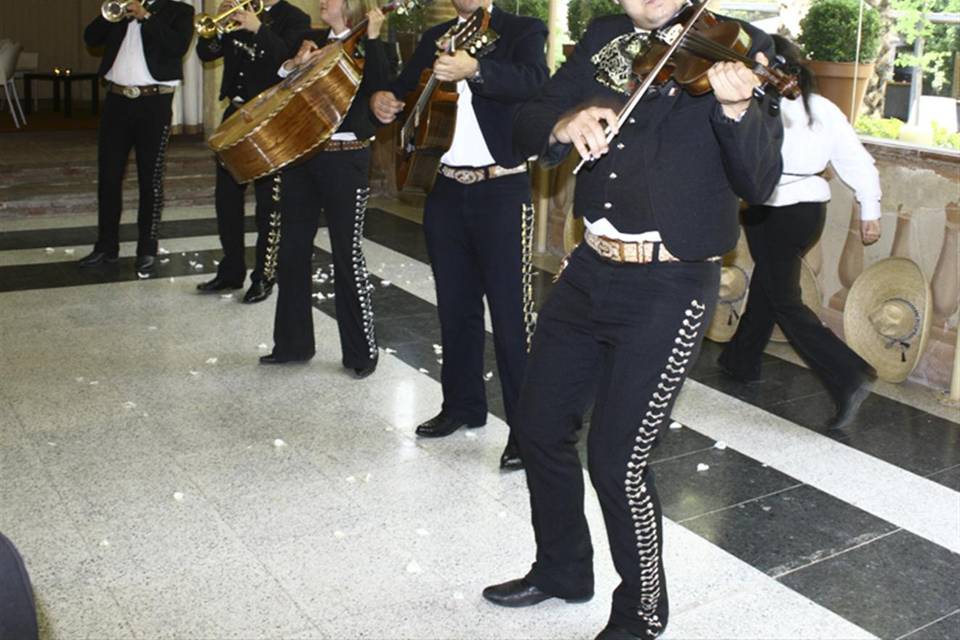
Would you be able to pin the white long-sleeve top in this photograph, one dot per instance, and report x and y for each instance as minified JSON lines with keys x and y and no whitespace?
{"x":808,"y":148}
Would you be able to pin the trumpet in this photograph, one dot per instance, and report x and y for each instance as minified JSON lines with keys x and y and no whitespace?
{"x":114,"y":10}
{"x":208,"y":26}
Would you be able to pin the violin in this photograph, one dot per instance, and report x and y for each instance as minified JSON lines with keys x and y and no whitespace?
{"x":684,"y":49}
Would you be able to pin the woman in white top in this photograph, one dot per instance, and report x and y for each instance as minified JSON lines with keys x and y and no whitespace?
{"x":780,"y":231}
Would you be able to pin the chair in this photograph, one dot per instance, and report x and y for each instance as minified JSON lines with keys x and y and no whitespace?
{"x":29,"y":63}
{"x":9,"y":54}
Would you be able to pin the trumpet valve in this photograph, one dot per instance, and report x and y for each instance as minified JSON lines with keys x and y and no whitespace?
{"x":205,"y":25}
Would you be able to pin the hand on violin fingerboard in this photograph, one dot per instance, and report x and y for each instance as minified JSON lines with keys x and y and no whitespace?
{"x":585,"y":130}
{"x":455,"y":67}
{"x":733,"y":84}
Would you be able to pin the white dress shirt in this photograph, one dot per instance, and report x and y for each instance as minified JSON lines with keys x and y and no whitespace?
{"x":130,"y":67}
{"x":468,"y":148}
{"x":283,"y":73}
{"x":808,"y":148}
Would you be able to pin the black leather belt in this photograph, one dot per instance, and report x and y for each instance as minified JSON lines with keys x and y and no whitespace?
{"x":141,"y":91}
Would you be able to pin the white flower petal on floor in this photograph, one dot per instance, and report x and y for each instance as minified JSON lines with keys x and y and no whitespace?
{"x":164,"y":260}
{"x":388,"y":350}
{"x":339,"y":534}
{"x":194,"y":373}
{"x":368,"y":477}
{"x":413,"y":567}
{"x":422,"y":532}
{"x":262,"y":346}
{"x":211,"y":361}
{"x":502,"y":514}
{"x":458,"y":595}
{"x":69,"y":252}
{"x":104,"y":543}
{"x":152,"y":327}
{"x":437,"y":348}
{"x":702,"y":467}
{"x":488,"y":376}
{"x":52,"y":444}
{"x":720,"y":444}
{"x":162,"y":251}
{"x":470,"y":434}
{"x":178,"y":496}
{"x":422,"y":370}
{"x":278,"y":443}
{"x":49,"y":249}
{"x":676,"y":425}
{"x":173,"y":279}
{"x":385,"y":283}
{"x":226,"y":296}
{"x":351,"y":478}
{"x":94,"y":382}
{"x":143,"y":276}
{"x":129,"y":405}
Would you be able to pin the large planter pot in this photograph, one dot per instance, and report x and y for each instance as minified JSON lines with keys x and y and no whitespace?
{"x":835,"y":81}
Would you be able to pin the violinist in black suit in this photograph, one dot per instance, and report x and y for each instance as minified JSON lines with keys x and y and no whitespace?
{"x":142,"y":65}
{"x":251,"y":55}
{"x":479,"y":216}
{"x":334,"y":181}
{"x":625,"y":321}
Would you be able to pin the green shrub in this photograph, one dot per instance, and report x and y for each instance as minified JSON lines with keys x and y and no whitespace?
{"x":829,"y":31}
{"x":581,"y":12}
{"x":879,"y":127}
{"x":943,"y":137}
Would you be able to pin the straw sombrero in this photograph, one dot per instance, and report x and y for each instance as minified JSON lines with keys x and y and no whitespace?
{"x":886,"y":319}
{"x":809,"y":294}
{"x":734,"y":285}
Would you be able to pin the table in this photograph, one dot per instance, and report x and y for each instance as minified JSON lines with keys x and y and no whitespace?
{"x":67,"y":81}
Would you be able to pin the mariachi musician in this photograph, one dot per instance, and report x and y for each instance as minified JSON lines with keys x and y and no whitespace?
{"x":142,"y":65}
{"x":335,"y":181}
{"x":474,"y":213}
{"x":251,"y":54}
{"x":624,"y":323}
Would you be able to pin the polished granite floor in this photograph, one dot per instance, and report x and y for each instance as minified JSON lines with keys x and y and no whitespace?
{"x":161,"y":484}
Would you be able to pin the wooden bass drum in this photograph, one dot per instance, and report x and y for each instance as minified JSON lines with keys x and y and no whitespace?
{"x":290,"y":120}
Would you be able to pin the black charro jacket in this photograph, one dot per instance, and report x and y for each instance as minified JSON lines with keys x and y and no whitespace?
{"x":166,"y":38}
{"x":376,"y":71}
{"x":251,"y":61}
{"x":511,"y":73}
{"x":677,"y":168}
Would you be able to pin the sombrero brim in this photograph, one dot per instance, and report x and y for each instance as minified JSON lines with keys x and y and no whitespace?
{"x":809,"y":293}
{"x":726,"y":318}
{"x":890,"y":278}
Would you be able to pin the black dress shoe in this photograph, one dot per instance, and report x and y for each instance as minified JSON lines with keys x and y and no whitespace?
{"x":616,"y":632}
{"x":144,"y":264}
{"x":849,"y":404}
{"x":258,"y":292}
{"x":218,"y":284}
{"x":510,"y":459}
{"x":97,"y":257}
{"x":442,"y":425}
{"x":271,"y":358}
{"x":362,"y":372}
{"x":520,"y":593}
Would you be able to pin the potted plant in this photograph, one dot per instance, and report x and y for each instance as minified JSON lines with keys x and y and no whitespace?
{"x":829,"y":38}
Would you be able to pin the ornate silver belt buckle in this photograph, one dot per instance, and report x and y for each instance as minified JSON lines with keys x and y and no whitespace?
{"x":465,"y":176}
{"x":131,"y":92}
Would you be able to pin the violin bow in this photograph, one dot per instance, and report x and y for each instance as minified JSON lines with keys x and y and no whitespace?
{"x":641,"y":91}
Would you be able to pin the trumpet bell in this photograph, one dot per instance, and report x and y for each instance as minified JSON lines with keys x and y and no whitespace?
{"x":113,"y":10}
{"x":205,"y":25}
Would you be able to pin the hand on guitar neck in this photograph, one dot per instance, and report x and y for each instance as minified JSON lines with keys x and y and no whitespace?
{"x":310,"y":50}
{"x":453,"y":67}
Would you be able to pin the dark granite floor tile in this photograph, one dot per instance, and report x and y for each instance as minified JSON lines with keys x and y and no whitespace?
{"x":679,"y":442}
{"x":890,"y":586}
{"x":730,"y":479}
{"x":781,"y":382}
{"x":945,"y":629}
{"x":813,"y":412}
{"x":948,"y":477}
{"x":788,"y":530}
{"x":920,"y":442}
{"x":706,"y":364}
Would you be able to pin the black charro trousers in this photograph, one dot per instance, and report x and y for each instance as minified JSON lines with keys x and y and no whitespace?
{"x":621,"y":337}
{"x":141,"y":124}
{"x":474,"y":242}
{"x":229,"y":200}
{"x":335,"y":182}
{"x":778,"y":238}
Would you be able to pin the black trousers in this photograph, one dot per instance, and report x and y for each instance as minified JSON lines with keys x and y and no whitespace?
{"x":230,"y":213}
{"x":778,"y":237}
{"x":475,"y":245}
{"x":622,"y":337}
{"x":335,"y":182}
{"x":142,"y":124}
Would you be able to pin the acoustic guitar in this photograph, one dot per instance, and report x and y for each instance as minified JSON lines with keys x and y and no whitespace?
{"x":291,"y":120}
{"x":430,"y":114}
